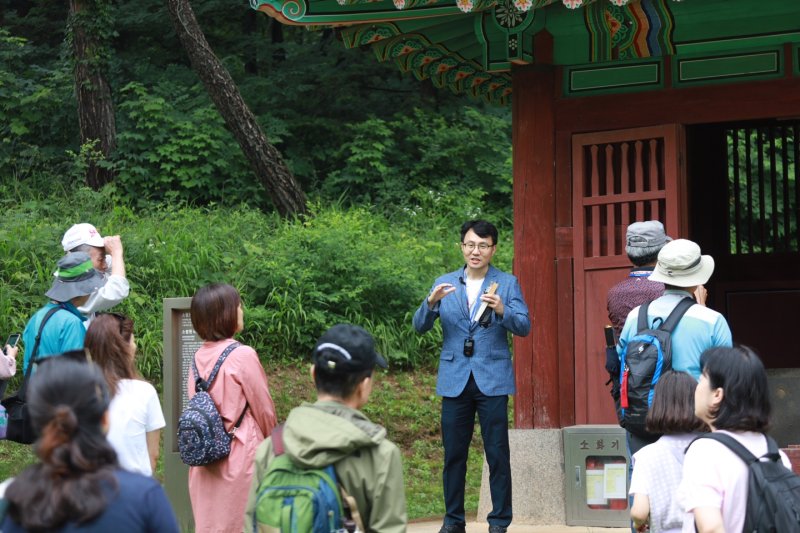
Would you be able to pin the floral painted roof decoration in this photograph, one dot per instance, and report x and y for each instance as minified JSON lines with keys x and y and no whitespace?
{"x":470,"y":46}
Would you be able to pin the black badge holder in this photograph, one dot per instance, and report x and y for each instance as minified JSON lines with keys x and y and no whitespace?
{"x":469,"y":347}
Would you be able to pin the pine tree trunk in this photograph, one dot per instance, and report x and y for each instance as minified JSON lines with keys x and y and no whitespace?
{"x":264,"y":158}
{"x":95,"y":108}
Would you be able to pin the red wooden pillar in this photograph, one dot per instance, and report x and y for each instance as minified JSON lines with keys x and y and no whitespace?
{"x":536,"y":357}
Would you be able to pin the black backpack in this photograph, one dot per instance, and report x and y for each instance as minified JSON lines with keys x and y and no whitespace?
{"x":773,"y":491}
{"x":647,"y":356}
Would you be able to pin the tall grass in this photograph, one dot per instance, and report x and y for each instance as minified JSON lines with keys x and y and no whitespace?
{"x":297,"y":277}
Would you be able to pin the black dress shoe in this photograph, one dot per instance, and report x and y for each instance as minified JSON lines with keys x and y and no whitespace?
{"x":497,"y":529}
{"x":453,"y":528}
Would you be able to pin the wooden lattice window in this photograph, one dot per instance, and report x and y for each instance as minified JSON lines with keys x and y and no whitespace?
{"x":622,"y":181}
{"x":763,"y":192}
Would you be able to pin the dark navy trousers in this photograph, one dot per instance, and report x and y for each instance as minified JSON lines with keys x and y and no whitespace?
{"x":458,"y":422}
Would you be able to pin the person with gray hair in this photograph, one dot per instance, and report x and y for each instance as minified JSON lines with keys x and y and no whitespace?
{"x":681,"y":267}
{"x":643,"y":241}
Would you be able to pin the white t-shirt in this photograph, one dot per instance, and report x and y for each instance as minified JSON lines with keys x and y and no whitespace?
{"x":134,"y":411}
{"x":473,"y":292}
{"x":714,"y":476}
{"x":657,"y":470}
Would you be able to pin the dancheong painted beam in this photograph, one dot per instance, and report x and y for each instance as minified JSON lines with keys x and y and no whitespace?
{"x":605,"y":46}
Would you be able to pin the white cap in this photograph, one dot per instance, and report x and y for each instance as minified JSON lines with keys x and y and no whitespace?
{"x":81,"y":234}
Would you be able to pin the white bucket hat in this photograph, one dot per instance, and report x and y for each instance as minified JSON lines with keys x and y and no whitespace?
{"x":680,"y":264}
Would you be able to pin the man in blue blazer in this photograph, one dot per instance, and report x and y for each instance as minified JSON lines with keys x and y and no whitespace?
{"x":476,"y":373}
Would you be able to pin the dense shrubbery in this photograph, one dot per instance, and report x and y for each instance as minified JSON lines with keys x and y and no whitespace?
{"x":297,"y":277}
{"x":351,"y":129}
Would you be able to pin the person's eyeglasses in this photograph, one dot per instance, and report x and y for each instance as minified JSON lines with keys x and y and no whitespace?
{"x":481,"y":246}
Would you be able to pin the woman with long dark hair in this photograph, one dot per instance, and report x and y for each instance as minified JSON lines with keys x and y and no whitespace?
{"x":218,"y":491}
{"x":77,"y":484}
{"x":135,"y":413}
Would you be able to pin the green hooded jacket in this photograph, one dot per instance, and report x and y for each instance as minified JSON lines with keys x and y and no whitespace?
{"x":368,"y":465}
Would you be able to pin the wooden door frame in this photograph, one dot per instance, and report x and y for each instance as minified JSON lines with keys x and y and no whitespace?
{"x":545,"y":359}
{"x":675,"y":214}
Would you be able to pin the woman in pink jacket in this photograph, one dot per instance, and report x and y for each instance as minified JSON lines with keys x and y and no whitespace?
{"x":219,"y":491}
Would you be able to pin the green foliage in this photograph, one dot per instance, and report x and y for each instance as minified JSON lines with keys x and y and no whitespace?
{"x":184,"y":197}
{"x":93,"y":25}
{"x":171,"y":148}
{"x":331,"y":112}
{"x":763,"y":212}
{"x":36,"y":128}
{"x":467,"y":154}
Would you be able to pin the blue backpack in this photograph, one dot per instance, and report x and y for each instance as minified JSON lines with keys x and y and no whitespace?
{"x":202,"y":437}
{"x":647,"y":356}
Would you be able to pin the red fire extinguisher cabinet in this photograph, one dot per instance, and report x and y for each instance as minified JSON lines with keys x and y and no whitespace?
{"x":597,"y":476}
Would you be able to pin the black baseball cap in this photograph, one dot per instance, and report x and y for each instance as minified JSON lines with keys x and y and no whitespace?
{"x":347,"y":348}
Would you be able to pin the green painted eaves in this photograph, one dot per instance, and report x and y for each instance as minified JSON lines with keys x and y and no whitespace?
{"x":469,"y":46}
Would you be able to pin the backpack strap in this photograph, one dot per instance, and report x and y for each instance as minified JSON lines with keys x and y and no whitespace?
{"x":733,"y":445}
{"x":669,"y":324}
{"x":200,"y":383}
{"x":351,"y":508}
{"x":35,"y":351}
{"x":277,"y":440}
{"x":238,"y":423}
{"x":676,"y":314}
{"x":772,"y":449}
{"x":204,"y":385}
{"x":642,"y":325}
{"x":671,"y":321}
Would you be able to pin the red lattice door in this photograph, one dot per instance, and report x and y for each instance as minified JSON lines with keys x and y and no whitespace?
{"x":619,"y":177}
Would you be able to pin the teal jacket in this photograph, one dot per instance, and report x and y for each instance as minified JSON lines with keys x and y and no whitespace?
{"x":64,"y":331}
{"x":368,"y":465}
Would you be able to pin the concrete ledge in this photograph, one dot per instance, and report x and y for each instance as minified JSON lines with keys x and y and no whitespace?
{"x":537,"y":474}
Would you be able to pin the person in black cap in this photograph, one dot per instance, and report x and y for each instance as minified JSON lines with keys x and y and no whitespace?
{"x":334,"y":431}
{"x":59,"y":323}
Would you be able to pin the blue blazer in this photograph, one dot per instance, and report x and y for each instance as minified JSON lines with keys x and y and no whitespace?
{"x":490,"y":363}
